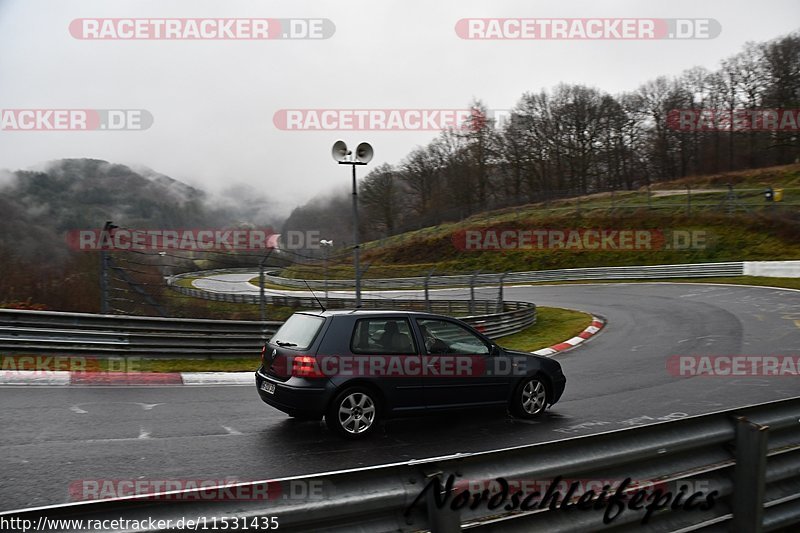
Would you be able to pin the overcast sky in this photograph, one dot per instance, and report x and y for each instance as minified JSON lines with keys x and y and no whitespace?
{"x":213,"y":102}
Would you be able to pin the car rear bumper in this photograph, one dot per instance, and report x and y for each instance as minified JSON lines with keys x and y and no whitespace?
{"x":295,"y":401}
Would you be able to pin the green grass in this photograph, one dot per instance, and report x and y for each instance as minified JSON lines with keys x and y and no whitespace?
{"x":755,"y":235}
{"x":186,"y":282}
{"x":553,"y":325}
{"x":182,"y":306}
{"x":749,"y":182}
{"x":761,"y":232}
{"x":197,"y":365}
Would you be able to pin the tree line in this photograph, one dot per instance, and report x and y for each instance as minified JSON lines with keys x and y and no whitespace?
{"x":576,"y":139}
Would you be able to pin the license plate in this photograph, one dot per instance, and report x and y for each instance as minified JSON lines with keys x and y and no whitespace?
{"x":268,"y":387}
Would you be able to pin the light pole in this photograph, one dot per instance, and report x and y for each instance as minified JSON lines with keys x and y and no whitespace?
{"x":343,"y":156}
{"x":326,"y":244}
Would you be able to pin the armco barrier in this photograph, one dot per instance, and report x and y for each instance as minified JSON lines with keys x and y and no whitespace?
{"x":750,"y":456}
{"x":46,"y":332}
{"x":486,"y":316}
{"x":89,"y":334}
{"x":736,"y":268}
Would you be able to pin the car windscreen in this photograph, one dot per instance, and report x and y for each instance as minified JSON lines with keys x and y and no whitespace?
{"x":298,"y":332}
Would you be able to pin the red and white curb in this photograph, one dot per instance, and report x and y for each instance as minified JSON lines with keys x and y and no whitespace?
{"x":63,"y":377}
{"x":597,"y":324}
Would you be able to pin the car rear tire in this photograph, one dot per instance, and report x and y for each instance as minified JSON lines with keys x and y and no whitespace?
{"x":354,"y":412}
{"x":530,"y":398}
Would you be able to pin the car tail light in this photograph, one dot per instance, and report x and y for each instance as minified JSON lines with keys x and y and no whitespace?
{"x":263,"y":351}
{"x":305,"y":366}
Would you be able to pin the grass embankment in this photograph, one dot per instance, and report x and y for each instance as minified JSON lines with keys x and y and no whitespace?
{"x":748,"y":229}
{"x":553,"y":325}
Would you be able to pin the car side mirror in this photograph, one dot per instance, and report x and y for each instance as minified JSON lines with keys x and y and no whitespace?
{"x":495,"y":350}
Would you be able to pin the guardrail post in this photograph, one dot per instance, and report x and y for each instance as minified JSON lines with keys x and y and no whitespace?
{"x":425,"y":283}
{"x":472,"y":291}
{"x":749,"y":476}
{"x":500,"y":293}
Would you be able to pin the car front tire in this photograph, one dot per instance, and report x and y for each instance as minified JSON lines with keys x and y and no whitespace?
{"x":354,"y":412}
{"x":530,"y":398}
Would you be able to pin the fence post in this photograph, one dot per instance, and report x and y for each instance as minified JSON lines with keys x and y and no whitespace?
{"x":747,"y":502}
{"x":688,"y":199}
{"x":107,"y":229}
{"x":261,"y":296}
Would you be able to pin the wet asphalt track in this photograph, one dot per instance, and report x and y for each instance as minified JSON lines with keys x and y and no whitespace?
{"x":52,"y":437}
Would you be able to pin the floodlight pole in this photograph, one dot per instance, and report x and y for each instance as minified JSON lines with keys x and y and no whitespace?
{"x":356,"y":245}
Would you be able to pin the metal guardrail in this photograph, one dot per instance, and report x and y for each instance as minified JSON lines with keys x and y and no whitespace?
{"x":495,"y":321}
{"x":45,"y":332}
{"x":83,"y":333}
{"x":735,"y":268}
{"x":750,"y":456}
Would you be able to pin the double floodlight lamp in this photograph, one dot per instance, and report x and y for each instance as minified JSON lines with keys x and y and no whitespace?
{"x":362,"y":156}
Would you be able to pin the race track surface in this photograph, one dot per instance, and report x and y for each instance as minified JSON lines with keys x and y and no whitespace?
{"x":52,"y":437}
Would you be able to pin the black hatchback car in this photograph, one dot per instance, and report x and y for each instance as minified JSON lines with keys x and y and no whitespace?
{"x":356,"y":368}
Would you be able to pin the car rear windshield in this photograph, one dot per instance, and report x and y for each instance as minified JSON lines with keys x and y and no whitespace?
{"x":298,"y":332}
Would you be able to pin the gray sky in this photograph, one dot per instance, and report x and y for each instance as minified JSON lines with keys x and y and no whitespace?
{"x":213,"y":101}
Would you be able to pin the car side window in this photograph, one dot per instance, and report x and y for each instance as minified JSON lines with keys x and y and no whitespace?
{"x":379,"y":336}
{"x":443,"y":336}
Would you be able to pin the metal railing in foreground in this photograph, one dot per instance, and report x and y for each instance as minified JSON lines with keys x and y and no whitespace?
{"x":90,"y":334}
{"x":744,"y":463}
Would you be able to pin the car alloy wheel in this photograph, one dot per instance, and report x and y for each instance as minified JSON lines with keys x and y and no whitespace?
{"x":531,"y":398}
{"x":354,"y":412}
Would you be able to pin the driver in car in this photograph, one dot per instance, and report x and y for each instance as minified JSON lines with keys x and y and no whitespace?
{"x":433,"y":344}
